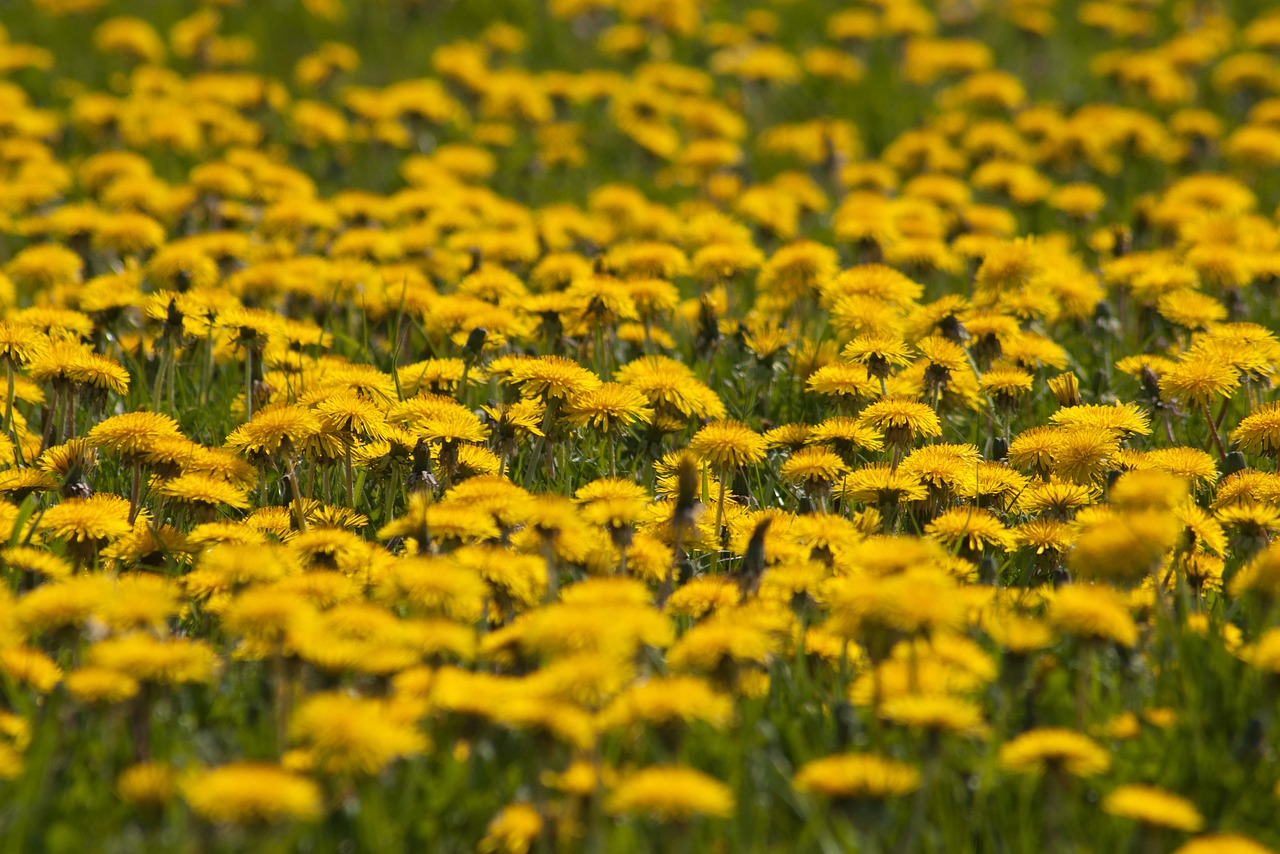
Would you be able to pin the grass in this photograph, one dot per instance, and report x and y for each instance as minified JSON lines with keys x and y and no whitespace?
{"x":482,"y":647}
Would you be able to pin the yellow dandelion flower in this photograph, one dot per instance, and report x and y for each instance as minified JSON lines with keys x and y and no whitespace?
{"x":203,"y":490}
{"x":551,"y":378}
{"x":250,"y":792}
{"x":609,"y":405}
{"x":30,"y":667}
{"x":147,"y":658}
{"x":972,"y":529}
{"x":857,"y":776}
{"x":151,"y":784}
{"x":662,"y":701}
{"x":513,"y":830}
{"x":1197,"y":381}
{"x":274,"y":430}
{"x":354,"y":735}
{"x":95,"y":519}
{"x":101,"y":685}
{"x":1092,"y":613}
{"x":1081,"y":454}
{"x":902,"y":421}
{"x":728,"y":444}
{"x":1223,"y":843}
{"x":1259,"y":431}
{"x":935,"y":712}
{"x":670,"y":793}
{"x":1039,"y":749}
{"x":813,"y":465}
{"x":1153,"y":806}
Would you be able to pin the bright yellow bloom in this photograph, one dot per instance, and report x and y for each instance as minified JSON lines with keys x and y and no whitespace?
{"x":728,"y":444}
{"x":857,"y":776}
{"x":1038,"y":749}
{"x":670,"y":793}
{"x":251,"y":792}
{"x":353,"y":735}
{"x":1153,"y":806}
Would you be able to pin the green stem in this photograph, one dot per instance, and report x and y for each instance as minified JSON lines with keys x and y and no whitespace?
{"x":208,"y":369}
{"x":298,"y":510}
{"x":8,"y":401}
{"x":136,"y":492}
{"x":248,"y":383}
{"x":1213,"y":431}
{"x":724,"y":471}
{"x":347,"y":471}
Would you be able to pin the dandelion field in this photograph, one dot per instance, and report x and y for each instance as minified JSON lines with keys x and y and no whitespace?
{"x":638,"y":425}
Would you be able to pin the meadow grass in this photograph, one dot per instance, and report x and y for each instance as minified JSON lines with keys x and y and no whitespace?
{"x":628,"y":425}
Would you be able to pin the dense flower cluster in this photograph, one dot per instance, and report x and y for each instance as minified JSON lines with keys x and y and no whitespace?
{"x":790,"y":426}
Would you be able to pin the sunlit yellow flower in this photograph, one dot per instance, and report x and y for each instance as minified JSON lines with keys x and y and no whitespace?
{"x":728,"y":444}
{"x":512,"y":831}
{"x":354,"y":735}
{"x":1039,"y":749}
{"x":151,"y":784}
{"x":1153,"y":806}
{"x":146,"y":658}
{"x":670,"y":793}
{"x":857,"y":776}
{"x":609,"y":405}
{"x":902,"y":421}
{"x":250,"y":792}
{"x":275,"y":430}
{"x":1092,"y":613}
{"x":1259,"y":431}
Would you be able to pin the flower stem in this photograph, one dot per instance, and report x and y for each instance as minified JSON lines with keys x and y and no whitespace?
{"x":248,"y":383}
{"x":135,"y":492}
{"x":724,"y":473}
{"x":1213,"y":431}
{"x":9,"y":398}
{"x":347,"y":471}
{"x":298,"y":511}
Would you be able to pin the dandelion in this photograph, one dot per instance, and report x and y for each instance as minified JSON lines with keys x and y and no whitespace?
{"x":1216,"y":843}
{"x":512,"y":831}
{"x":1080,"y":454}
{"x":1092,"y":612}
{"x":1259,"y":431}
{"x":728,"y":445}
{"x":1123,"y":548}
{"x":101,"y":685}
{"x":277,"y":433}
{"x":857,"y":776}
{"x":87,"y":524}
{"x":19,"y":344}
{"x":842,"y":380}
{"x":1039,"y":750}
{"x":971,"y":530}
{"x":884,"y":486}
{"x":609,"y":408}
{"x":1197,"y":381}
{"x":275,"y":430}
{"x":902,"y":422}
{"x":202,"y":490}
{"x":1006,"y":384}
{"x":353,"y":735}
{"x":659,"y":702}
{"x":250,"y":792}
{"x":816,"y":469}
{"x":670,"y":793}
{"x":1154,"y":807}
{"x":846,"y":435}
{"x":151,"y":784}
{"x":935,"y":713}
